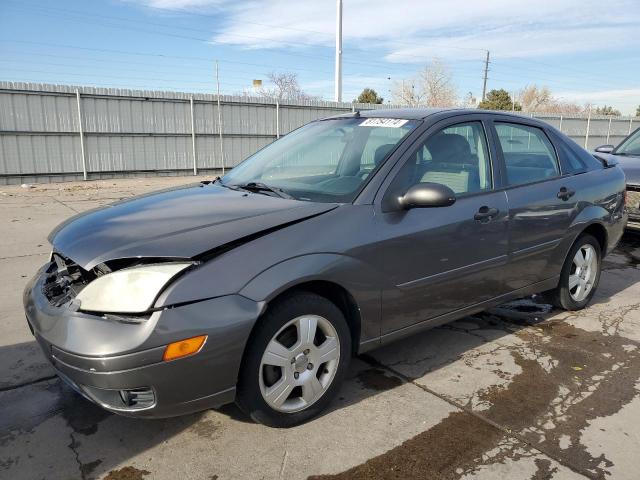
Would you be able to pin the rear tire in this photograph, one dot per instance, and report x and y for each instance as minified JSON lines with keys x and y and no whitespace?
{"x":295,"y":361}
{"x":580,"y":275}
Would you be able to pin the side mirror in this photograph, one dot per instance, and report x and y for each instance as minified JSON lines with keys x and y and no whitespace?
{"x":427,"y":195}
{"x":605,"y":148}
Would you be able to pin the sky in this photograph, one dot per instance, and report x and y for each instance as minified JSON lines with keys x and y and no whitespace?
{"x":585,"y":51}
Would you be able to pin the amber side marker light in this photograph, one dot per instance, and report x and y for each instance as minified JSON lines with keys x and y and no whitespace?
{"x":183,"y":348}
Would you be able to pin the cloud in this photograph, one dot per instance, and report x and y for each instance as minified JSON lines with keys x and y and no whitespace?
{"x":415,"y":29}
{"x":627,"y":100}
{"x":181,"y":4}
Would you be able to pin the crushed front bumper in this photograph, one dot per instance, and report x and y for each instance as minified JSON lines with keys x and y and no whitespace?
{"x":119,"y":365}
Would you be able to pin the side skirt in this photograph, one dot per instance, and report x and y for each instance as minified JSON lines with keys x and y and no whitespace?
{"x":548,"y":284}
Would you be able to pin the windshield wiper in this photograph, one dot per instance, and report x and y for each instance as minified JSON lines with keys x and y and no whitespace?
{"x":258,"y":187}
{"x":625,"y":154}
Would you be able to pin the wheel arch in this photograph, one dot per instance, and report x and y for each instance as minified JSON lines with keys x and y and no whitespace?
{"x":336,"y":294}
{"x":347,"y":282}
{"x":599,"y":232}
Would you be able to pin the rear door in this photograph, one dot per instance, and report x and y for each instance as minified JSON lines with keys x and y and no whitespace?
{"x":542,"y":200}
{"x":438,"y":260}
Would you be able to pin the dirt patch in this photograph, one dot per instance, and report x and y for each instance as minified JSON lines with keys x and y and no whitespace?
{"x":568,"y":378}
{"x":206,"y":428}
{"x":596,"y":375}
{"x":435,"y":454}
{"x":376,"y":379}
{"x":544,"y":470}
{"x":127,"y":473}
{"x":87,"y":469}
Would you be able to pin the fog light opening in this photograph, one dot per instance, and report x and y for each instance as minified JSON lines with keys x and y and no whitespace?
{"x":138,"y":398}
{"x":184,"y":348}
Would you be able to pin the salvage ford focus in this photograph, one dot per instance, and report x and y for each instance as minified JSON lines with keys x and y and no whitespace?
{"x":345,"y":234}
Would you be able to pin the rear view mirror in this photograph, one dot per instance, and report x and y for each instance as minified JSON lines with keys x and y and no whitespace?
{"x":427,"y":195}
{"x":605,"y":148}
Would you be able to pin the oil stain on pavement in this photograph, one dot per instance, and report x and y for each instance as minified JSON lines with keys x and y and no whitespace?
{"x":542,"y":411}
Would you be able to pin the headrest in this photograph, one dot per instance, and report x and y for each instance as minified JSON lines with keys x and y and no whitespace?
{"x":381,"y":153}
{"x":449,"y":148}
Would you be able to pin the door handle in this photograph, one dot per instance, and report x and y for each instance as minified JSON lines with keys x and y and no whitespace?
{"x":565,"y":194}
{"x":486,"y":213}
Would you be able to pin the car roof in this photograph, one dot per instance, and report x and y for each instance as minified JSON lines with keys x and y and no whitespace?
{"x":421,"y":113}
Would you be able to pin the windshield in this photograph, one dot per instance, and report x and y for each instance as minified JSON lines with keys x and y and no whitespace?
{"x":325,"y":161}
{"x":631,"y":146}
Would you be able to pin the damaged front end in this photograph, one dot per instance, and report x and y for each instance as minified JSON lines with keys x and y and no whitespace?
{"x":124,"y":289}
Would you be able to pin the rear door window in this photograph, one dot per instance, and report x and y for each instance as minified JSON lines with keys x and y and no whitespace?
{"x":528,"y":154}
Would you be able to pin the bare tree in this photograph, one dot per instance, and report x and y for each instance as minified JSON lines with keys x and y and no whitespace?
{"x":285,"y":86}
{"x":535,"y":99}
{"x":433,"y":87}
{"x":541,"y":100}
{"x":438,"y":86}
{"x":408,"y":92}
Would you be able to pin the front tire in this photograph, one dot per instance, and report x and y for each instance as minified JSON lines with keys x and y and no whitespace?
{"x":296,"y":359}
{"x":580,"y":275}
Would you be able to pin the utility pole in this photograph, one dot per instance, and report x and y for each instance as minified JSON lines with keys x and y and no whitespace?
{"x":338,"y":79}
{"x":219,"y":118}
{"x":486,"y":72}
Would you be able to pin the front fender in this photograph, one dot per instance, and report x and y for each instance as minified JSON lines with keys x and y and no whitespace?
{"x":355,"y":276}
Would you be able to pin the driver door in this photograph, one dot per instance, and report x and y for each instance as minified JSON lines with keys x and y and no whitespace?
{"x":439,"y":260}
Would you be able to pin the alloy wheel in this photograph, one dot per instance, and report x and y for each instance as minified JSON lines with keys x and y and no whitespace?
{"x":299,"y":363}
{"x":584,"y":271}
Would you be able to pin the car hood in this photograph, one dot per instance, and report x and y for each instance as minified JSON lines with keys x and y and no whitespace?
{"x":177,"y":223}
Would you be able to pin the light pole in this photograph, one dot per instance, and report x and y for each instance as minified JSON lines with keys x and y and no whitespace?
{"x":338,"y":78}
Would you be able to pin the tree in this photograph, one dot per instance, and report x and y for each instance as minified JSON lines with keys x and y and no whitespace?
{"x":285,"y":87}
{"x":638,"y":111}
{"x":432,"y":87}
{"x":369,"y":95}
{"x":540,"y":99}
{"x":499,"y":100}
{"x":535,"y":99}
{"x":438,"y":86}
{"x":406,"y":93}
{"x":607,"y":110}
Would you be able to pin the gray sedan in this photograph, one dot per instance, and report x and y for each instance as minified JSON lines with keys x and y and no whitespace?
{"x":344,"y":235}
{"x":627,"y":155}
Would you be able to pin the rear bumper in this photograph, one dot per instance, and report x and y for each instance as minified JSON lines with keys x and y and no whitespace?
{"x":633,"y":206}
{"x":633,"y":221}
{"x":105,"y":359}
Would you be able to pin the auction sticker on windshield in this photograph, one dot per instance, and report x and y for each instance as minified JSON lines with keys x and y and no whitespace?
{"x":383,"y":122}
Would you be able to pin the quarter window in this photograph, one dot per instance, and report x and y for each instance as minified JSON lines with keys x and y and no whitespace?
{"x":528,"y":153}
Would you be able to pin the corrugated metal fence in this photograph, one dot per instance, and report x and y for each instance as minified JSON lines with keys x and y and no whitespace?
{"x":58,"y":133}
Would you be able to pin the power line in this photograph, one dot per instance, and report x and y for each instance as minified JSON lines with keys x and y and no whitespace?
{"x":243,"y":22}
{"x":55,"y":13}
{"x":135,"y":70}
{"x":174,"y":80}
{"x":159,"y":55}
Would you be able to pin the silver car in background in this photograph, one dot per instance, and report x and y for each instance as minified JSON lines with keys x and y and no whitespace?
{"x":627,"y":155}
